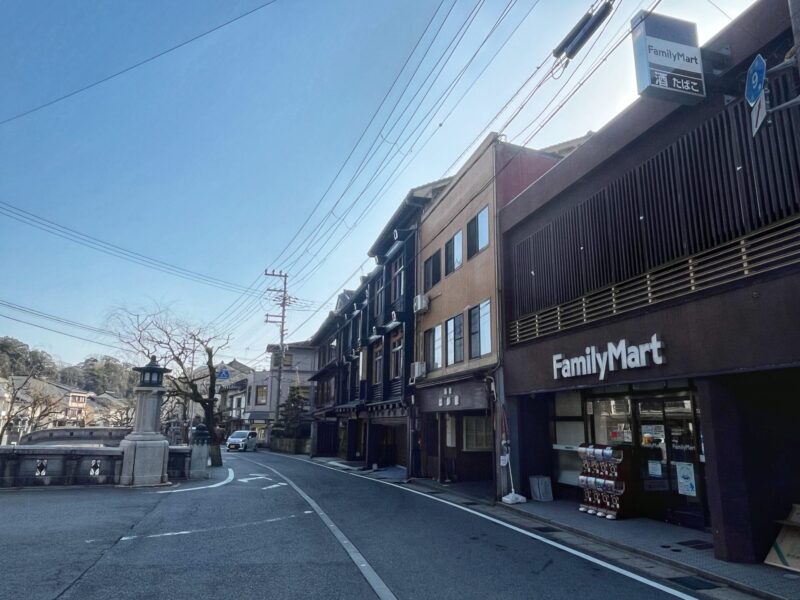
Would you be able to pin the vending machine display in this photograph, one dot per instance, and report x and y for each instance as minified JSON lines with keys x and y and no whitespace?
{"x":605,"y":480}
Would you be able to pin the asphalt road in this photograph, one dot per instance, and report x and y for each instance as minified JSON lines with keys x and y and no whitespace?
{"x":281,"y":528}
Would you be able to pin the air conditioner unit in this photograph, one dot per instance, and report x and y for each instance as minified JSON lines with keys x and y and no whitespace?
{"x":418,"y":369}
{"x":421,"y":304}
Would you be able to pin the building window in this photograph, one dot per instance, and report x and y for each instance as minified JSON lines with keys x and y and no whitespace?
{"x":377,"y":363}
{"x":480,"y":330}
{"x":433,"y":348}
{"x":396,"y":358}
{"x":450,"y":431}
{"x":478,"y":233}
{"x":453,"y":253}
{"x":477,"y":434}
{"x":261,"y":394}
{"x":376,"y":291}
{"x":455,"y":339}
{"x":396,"y":283}
{"x":433,"y":270}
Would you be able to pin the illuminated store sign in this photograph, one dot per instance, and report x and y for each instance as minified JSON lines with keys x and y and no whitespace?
{"x":617,"y":356}
{"x":669,"y":65}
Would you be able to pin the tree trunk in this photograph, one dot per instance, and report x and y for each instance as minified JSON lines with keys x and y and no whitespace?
{"x":214,"y":452}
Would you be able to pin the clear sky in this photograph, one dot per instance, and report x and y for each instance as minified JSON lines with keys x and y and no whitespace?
{"x":212,"y":156}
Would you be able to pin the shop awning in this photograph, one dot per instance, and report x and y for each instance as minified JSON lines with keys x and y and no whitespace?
{"x":258,"y":416}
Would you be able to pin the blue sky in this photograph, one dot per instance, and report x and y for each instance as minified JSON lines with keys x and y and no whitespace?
{"x":210,"y":157}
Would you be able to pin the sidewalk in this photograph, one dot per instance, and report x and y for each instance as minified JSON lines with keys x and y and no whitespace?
{"x":684,"y":548}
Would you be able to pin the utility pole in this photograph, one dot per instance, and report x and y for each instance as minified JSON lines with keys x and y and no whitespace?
{"x":280,"y":320}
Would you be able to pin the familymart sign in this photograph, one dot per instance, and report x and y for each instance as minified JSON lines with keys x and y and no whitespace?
{"x":614,"y":356}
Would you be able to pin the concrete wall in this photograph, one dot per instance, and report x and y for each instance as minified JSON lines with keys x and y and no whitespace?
{"x":84,"y":436}
{"x":291,"y":445}
{"x":25,"y":466}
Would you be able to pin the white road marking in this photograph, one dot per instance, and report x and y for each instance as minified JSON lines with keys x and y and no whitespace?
{"x":192,"y":531}
{"x":204,"y":487}
{"x":544,"y":540}
{"x":253,"y":477}
{"x":273,"y":486}
{"x":375,"y":582}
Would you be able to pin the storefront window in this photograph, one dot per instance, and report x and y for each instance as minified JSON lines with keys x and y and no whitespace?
{"x":477,"y":434}
{"x":612,"y":420}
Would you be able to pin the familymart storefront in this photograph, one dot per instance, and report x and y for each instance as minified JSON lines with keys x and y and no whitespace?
{"x":687,"y":414}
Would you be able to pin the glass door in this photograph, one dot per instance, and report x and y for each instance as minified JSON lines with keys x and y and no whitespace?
{"x":686,"y":504}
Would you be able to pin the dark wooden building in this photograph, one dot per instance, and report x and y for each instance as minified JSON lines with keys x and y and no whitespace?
{"x":651,"y":298}
{"x":366,"y":347}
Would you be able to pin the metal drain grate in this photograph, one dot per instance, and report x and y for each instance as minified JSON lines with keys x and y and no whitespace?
{"x":546,"y":529}
{"x":694,"y":583}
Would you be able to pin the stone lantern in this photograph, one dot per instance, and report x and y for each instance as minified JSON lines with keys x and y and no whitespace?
{"x":145,"y":450}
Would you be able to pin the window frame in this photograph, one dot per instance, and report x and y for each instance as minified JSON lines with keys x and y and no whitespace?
{"x":431,"y":347}
{"x":453,"y":340}
{"x":432,"y":270}
{"x":486,"y":432}
{"x":396,"y":357}
{"x":377,"y":363}
{"x":396,"y":279}
{"x":451,"y":246}
{"x":474,"y":246}
{"x":476,"y":350}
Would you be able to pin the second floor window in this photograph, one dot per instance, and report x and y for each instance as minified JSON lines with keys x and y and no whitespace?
{"x":396,"y":283}
{"x":480,"y":330}
{"x":453,"y":253}
{"x":261,"y":394}
{"x":455,"y":339}
{"x":396,"y":359}
{"x":478,"y":233}
{"x":377,"y":363}
{"x":433,"y":348}
{"x":376,"y":293}
{"x":432,"y":270}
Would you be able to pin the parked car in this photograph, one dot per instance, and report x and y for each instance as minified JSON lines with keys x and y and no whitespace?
{"x":243,"y":440}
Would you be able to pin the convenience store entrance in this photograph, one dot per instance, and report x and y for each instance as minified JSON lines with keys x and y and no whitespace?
{"x":664,"y":430}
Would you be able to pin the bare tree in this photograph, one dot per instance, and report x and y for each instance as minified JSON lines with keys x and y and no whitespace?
{"x":31,"y":404}
{"x":124,"y":415}
{"x":185,"y":348}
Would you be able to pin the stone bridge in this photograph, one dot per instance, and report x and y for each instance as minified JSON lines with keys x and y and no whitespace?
{"x":76,"y":436}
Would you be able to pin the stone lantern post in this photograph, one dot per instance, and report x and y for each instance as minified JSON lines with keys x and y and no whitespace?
{"x":145,"y":450}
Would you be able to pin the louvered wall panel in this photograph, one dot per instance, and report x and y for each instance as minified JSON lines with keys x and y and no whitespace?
{"x":712,"y":185}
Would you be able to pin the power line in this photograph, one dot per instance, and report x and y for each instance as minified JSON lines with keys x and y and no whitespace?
{"x":56,"y":319}
{"x":83,"y":239}
{"x":77,"y":337}
{"x":134,"y":66}
{"x":330,"y":232}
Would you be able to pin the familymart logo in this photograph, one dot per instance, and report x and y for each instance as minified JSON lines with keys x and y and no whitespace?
{"x":616,"y":356}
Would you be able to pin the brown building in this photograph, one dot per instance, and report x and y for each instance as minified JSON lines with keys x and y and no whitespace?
{"x":651,"y":282}
{"x":458,"y":317}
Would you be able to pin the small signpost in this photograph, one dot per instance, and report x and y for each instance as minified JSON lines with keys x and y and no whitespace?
{"x":758,"y":114}
{"x":223,"y":373}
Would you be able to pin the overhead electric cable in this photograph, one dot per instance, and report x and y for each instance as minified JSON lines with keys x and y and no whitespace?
{"x":135,"y":66}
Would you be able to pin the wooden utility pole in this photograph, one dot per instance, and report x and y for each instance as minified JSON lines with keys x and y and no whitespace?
{"x":280,"y":320}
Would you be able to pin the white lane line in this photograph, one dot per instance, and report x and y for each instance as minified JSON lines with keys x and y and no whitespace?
{"x":544,"y":540}
{"x":273,"y":486}
{"x":204,"y":487}
{"x":373,"y":579}
{"x":192,"y":531}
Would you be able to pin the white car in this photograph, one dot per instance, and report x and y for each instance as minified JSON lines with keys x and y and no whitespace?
{"x":243,"y":440}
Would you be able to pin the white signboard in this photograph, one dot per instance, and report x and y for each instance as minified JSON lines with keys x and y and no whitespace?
{"x":758,"y":114}
{"x":686,"y":482}
{"x":669,"y":65}
{"x":654,"y":468}
{"x":620,"y":355}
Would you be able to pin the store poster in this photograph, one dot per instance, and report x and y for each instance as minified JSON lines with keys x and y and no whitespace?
{"x":654,"y":468}
{"x":686,"y":482}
